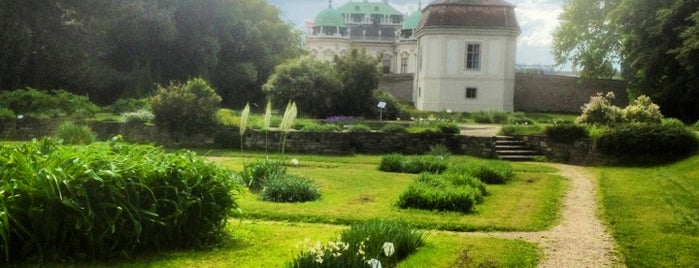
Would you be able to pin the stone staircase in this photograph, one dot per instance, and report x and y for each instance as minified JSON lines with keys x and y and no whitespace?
{"x":513,"y":149}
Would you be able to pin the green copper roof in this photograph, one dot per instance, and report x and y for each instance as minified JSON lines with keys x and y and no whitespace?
{"x":366,"y":7}
{"x":413,"y":20}
{"x":330,"y":17}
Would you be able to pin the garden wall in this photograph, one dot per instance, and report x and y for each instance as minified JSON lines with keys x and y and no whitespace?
{"x":534,"y":92}
{"x":581,"y":152}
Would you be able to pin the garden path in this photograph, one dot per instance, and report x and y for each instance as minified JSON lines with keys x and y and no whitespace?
{"x":580,"y":239}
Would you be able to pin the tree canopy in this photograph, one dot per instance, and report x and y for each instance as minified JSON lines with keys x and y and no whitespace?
{"x":655,"y":42}
{"x":111,"y":49}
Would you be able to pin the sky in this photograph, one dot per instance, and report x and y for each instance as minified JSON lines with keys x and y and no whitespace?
{"x":537,"y":19}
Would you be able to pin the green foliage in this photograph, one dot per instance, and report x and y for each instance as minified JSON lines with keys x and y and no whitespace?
{"x":509,"y":130}
{"x":447,"y":192}
{"x":290,"y":189}
{"x":520,"y":119}
{"x":122,"y":106}
{"x":566,"y":133}
{"x":71,"y":133}
{"x":311,"y":83}
{"x":359,"y":128}
{"x":392,"y":128}
{"x":648,"y":142}
{"x":440,"y":151}
{"x":395,"y":109}
{"x":489,"y":117}
{"x":673,"y":122}
{"x":6,"y":113}
{"x":256,"y":175}
{"x":108,"y":200}
{"x":600,"y":111}
{"x":32,"y":103}
{"x":362,"y":242}
{"x":321,"y":128}
{"x":696,"y":126}
{"x":414,"y":164}
{"x":448,"y":128}
{"x":139,"y":117}
{"x":227,"y":117}
{"x":392,"y":163}
{"x":360,"y":76}
{"x":189,"y":107}
{"x":494,"y":172}
{"x":643,"y":110}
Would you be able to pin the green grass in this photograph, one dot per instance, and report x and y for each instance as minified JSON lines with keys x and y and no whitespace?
{"x":354,"y":189}
{"x":653,"y":212}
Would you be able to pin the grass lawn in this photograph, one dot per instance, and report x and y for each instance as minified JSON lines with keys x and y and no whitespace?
{"x":353,"y":189}
{"x":654,"y":212}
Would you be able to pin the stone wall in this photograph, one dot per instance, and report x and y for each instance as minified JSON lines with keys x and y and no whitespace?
{"x":533,"y":92}
{"x":581,"y":152}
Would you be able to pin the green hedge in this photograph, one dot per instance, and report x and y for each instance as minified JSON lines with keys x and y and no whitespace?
{"x":566,"y":133}
{"x":448,"y":192}
{"x":413,"y":164}
{"x":647,"y":142}
{"x":108,"y":200}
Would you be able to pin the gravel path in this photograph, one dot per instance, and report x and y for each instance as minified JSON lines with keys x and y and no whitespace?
{"x":580,"y":239}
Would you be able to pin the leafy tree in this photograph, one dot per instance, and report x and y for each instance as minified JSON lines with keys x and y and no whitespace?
{"x":360,"y":76}
{"x":312,"y":84}
{"x":189,"y":107}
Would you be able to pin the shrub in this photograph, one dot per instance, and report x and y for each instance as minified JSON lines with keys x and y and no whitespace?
{"x":509,"y":130}
{"x":359,"y":128}
{"x":494,"y":172}
{"x":600,"y":111}
{"x":139,"y":117}
{"x":643,"y":110}
{"x":362,"y":242}
{"x":566,"y":133}
{"x":72,"y":133}
{"x":256,"y":175}
{"x":392,"y":163}
{"x":121,"y":106}
{"x":6,"y":113}
{"x":321,"y":128}
{"x":449,"y":128}
{"x":189,"y":107}
{"x":648,"y":142}
{"x":108,"y":200}
{"x":673,"y":122}
{"x":490,"y":117}
{"x":439,"y":192}
{"x":290,"y":189}
{"x":424,"y":163}
{"x":392,"y":128}
{"x":395,"y":109}
{"x":227,"y":117}
{"x":696,"y":125}
{"x":41,"y":104}
{"x":440,"y":151}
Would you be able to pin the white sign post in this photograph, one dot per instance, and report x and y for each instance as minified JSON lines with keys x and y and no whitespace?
{"x":381,"y":105}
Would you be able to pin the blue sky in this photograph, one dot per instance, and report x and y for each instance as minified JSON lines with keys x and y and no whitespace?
{"x":537,"y":18}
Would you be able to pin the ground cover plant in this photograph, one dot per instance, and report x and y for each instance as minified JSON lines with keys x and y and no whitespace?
{"x":270,"y":179}
{"x":652,"y":212}
{"x":107,"y":200}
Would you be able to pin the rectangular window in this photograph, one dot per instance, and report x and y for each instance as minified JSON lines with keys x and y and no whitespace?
{"x":419,"y":92}
{"x":471,"y":92}
{"x":473,"y":56}
{"x":386,"y":66}
{"x":403,"y":65}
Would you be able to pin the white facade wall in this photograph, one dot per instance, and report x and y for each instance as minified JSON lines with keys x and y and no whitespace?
{"x":441,"y":81}
{"x":326,"y":47}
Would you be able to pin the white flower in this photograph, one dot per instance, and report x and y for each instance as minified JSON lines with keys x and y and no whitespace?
{"x":20,"y":116}
{"x":388,"y":249}
{"x":374,"y":263}
{"x":295,"y":162}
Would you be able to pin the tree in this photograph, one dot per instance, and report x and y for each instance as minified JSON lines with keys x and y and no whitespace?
{"x":360,"y":76}
{"x":311,"y":83}
{"x":185,"y":107}
{"x":587,"y":39}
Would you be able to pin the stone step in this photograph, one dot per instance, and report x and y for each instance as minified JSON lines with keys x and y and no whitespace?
{"x":516,"y":157}
{"x":513,"y":149}
{"x":516,"y":152}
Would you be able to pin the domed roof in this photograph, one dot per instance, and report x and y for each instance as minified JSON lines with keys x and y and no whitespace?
{"x":470,"y":13}
{"x":412,"y":21}
{"x":330,"y":17}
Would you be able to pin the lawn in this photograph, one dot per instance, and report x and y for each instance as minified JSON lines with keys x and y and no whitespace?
{"x":353,"y":189}
{"x":653,"y":212}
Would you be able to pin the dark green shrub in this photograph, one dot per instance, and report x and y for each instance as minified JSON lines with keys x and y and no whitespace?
{"x":362,"y":242}
{"x":395,"y":109}
{"x":6,"y":113}
{"x":566,"y":133}
{"x":438,"y":192}
{"x":290,"y":189}
{"x":439,"y":150}
{"x":72,"y":133}
{"x":256,"y":175}
{"x":189,"y":107}
{"x":489,"y":117}
{"x":673,"y":121}
{"x":425,"y":163}
{"x":509,"y":130}
{"x":449,"y":128}
{"x":32,"y":103}
{"x":121,"y":106}
{"x":321,"y":128}
{"x":393,"y":128}
{"x":359,"y":128}
{"x":392,"y":163}
{"x":138,"y":117}
{"x":108,"y":200}
{"x":648,"y":142}
{"x":493,"y":172}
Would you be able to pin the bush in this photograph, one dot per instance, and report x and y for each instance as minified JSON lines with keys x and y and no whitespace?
{"x":121,"y":106}
{"x":425,"y":163}
{"x":395,"y":109}
{"x":648,"y":142}
{"x":108,"y":200}
{"x":440,"y":151}
{"x":139,"y":117}
{"x":256,"y":175}
{"x":494,"y":172}
{"x":449,"y":128}
{"x":227,"y":117}
{"x":566,"y":133}
{"x":673,"y":122}
{"x":600,"y":111}
{"x":520,"y":119}
{"x":189,"y":107}
{"x":509,"y":130}
{"x":359,"y":128}
{"x":392,"y":128}
{"x":72,"y":133}
{"x":7,"y":114}
{"x":442,"y":193}
{"x":290,"y":189}
{"x":696,"y":125}
{"x":321,"y":128}
{"x":490,"y":117}
{"x":362,"y":242}
{"x":643,"y":110}
{"x":392,"y":163}
{"x":41,"y":104}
